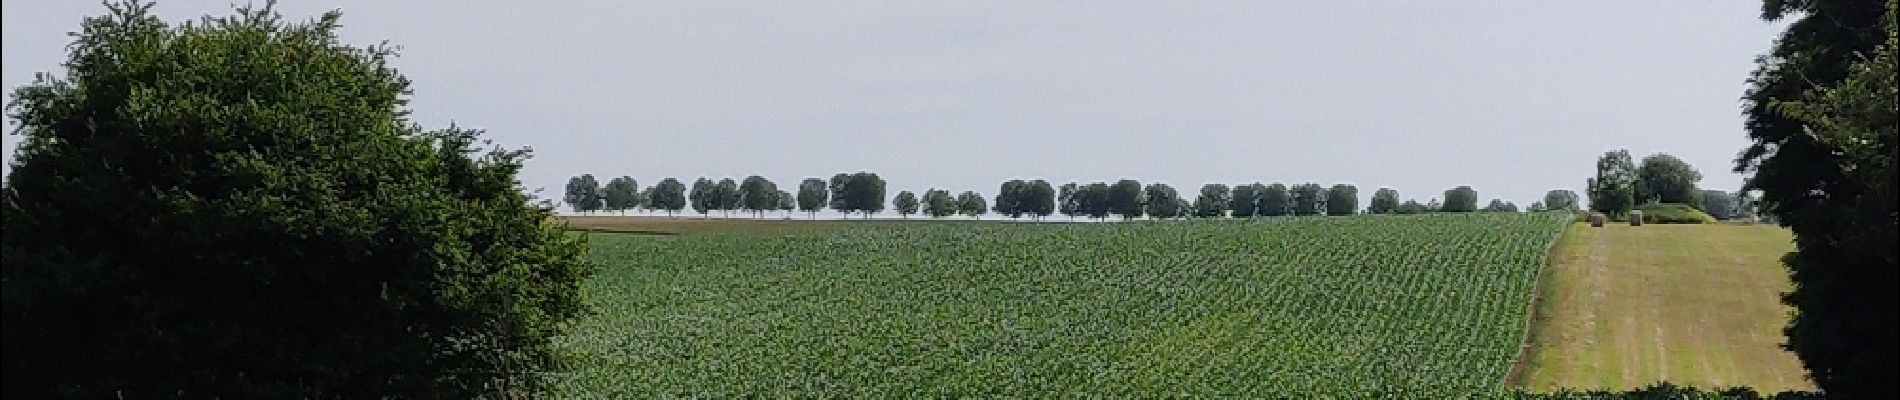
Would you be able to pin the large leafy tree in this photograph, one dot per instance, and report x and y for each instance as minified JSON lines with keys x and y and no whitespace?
{"x":1009,"y":198}
{"x":865,"y":193}
{"x":241,"y":208}
{"x":839,"y":186}
{"x":937,"y":203}
{"x":1342,"y":199}
{"x":1245,"y":202}
{"x":970,"y":203}
{"x":1308,"y":199}
{"x":726,"y":196}
{"x":1499,"y":205}
{"x":1092,"y":200}
{"x":668,"y":195}
{"x":1275,"y":201}
{"x":1822,"y":115}
{"x":1384,"y":201}
{"x":1460,"y":199}
{"x":758,"y":195}
{"x":705,"y":196}
{"x":1663,"y":178}
{"x":812,"y":196}
{"x":1212,"y":203}
{"x":1613,"y":190}
{"x":906,"y":203}
{"x":783,"y":201}
{"x":584,"y":194}
{"x":1719,"y":204}
{"x":1039,"y":199}
{"x":1160,"y":201}
{"x":622,"y":194}
{"x":1124,"y":199}
{"x":1066,"y":201}
{"x":1560,"y":199}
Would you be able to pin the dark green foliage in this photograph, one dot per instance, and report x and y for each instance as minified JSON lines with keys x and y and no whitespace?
{"x":1498,"y":205}
{"x":1822,"y":114}
{"x":1384,"y":201}
{"x":758,"y":195}
{"x":1124,"y":198}
{"x":1066,"y":201}
{"x":971,"y":204}
{"x":1009,"y":199}
{"x":1039,"y":199}
{"x":1460,"y":199}
{"x":1412,"y":207}
{"x":1275,"y":201}
{"x":1560,"y":199}
{"x":812,"y":196}
{"x":1308,"y":199}
{"x":784,"y":202}
{"x":1092,"y":200}
{"x":905,"y":203}
{"x":1162,"y":201}
{"x":1719,"y":204}
{"x":1212,"y":203}
{"x":668,"y":195}
{"x":1663,"y":178}
{"x":937,"y":203}
{"x":621,"y":194}
{"x":1342,"y":199}
{"x":584,"y":194}
{"x":726,"y":196}
{"x":858,"y":192}
{"x":239,"y":208}
{"x":1674,"y":213}
{"x":1246,"y":200}
{"x":705,"y":196}
{"x":1613,"y":189}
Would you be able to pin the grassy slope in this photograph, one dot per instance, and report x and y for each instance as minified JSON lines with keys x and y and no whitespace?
{"x":1625,"y":306}
{"x":1418,"y":304}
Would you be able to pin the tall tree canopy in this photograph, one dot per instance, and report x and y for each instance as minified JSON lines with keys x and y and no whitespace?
{"x":1821,"y":113}
{"x":1384,"y":201}
{"x":1124,"y":198}
{"x":1719,"y":204}
{"x":758,"y":195}
{"x":1342,"y":199}
{"x":1560,"y":199}
{"x":726,"y":196}
{"x":906,"y":203}
{"x":705,"y":196}
{"x":1213,"y":201}
{"x":1039,"y":199}
{"x":1663,"y":178}
{"x":1009,"y":199}
{"x":1066,"y":201}
{"x":1092,"y":200}
{"x":1308,"y":199}
{"x":584,"y":194}
{"x":1275,"y":201}
{"x":812,"y":196}
{"x":1160,"y":201}
{"x":1245,"y":202}
{"x":971,"y":204}
{"x":937,"y":203}
{"x":1613,"y":190}
{"x":668,"y":195}
{"x":1460,"y":199}
{"x":621,"y":193}
{"x":239,"y":207}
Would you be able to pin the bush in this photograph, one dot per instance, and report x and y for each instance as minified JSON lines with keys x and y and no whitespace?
{"x":1665,"y":391}
{"x":1674,"y":213}
{"x":239,"y":208}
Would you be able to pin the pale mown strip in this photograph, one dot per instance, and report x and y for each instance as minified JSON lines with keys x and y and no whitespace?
{"x":1625,"y":306}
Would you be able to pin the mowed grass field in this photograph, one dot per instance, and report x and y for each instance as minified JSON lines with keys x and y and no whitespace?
{"x":1621,"y":307}
{"x":1411,"y":306}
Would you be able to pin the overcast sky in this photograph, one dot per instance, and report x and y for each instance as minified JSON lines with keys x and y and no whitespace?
{"x":1510,"y":97}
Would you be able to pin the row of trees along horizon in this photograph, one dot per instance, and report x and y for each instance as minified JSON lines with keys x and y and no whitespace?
{"x":1619,"y":185}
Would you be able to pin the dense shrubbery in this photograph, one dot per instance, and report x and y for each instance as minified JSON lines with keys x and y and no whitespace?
{"x":1665,"y":391}
{"x":238,"y":208}
{"x":1674,"y":213}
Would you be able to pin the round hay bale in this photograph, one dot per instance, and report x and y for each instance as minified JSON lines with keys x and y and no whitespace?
{"x":1597,"y":219}
{"x":1636,"y":217}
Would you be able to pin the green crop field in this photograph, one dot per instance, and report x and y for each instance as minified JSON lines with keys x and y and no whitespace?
{"x":1427,"y":306}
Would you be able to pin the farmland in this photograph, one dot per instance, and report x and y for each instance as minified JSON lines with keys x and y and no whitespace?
{"x":1421,"y":305}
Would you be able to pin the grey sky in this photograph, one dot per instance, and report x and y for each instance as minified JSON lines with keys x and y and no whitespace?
{"x":1510,"y":97}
